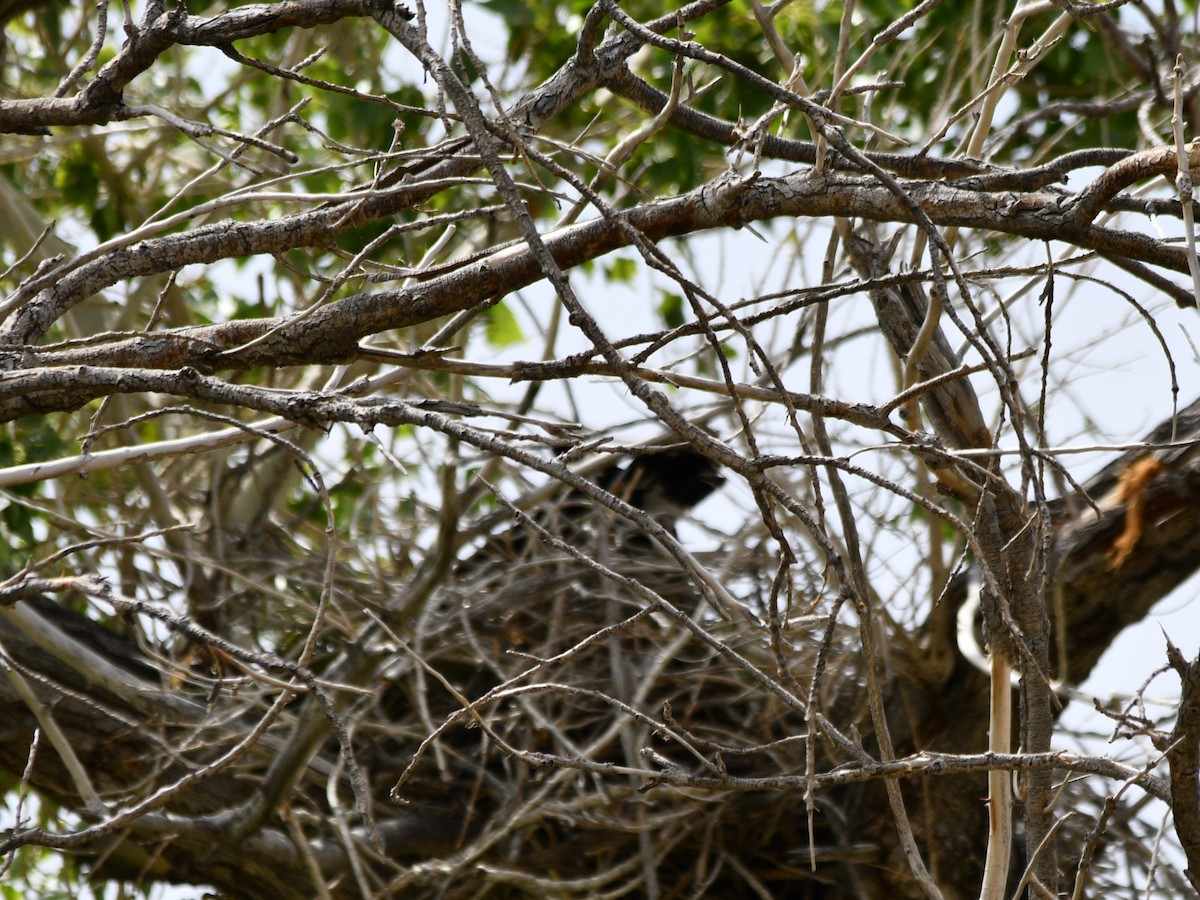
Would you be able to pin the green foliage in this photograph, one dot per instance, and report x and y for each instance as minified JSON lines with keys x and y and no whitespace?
{"x":503,"y":329}
{"x":106,"y":221}
{"x":347,"y":494}
{"x":77,"y":178}
{"x":85,"y":181}
{"x":29,"y":440}
{"x":543,"y":36}
{"x":354,"y":240}
{"x":36,"y":871}
{"x":362,"y":123}
{"x":621,"y":270}
{"x":670,"y":309}
{"x":49,"y":22}
{"x":538,"y":32}
{"x":37,"y":439}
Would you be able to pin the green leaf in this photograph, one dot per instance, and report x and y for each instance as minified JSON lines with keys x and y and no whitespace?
{"x":621,"y":270}
{"x":77,"y":178}
{"x":671,"y":309}
{"x":503,"y":330}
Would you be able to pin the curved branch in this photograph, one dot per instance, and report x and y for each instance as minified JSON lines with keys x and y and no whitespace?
{"x":101,"y":101}
{"x":331,"y":334}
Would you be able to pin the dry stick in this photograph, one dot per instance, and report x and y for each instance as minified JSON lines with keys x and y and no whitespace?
{"x":23,"y":793}
{"x":610,"y":166}
{"x":1084,"y":870}
{"x":159,"y":799}
{"x":973,"y":147}
{"x":999,"y":799}
{"x":88,"y":61}
{"x":921,"y":765}
{"x":304,"y":849}
{"x":536,"y":803}
{"x":893,"y":31}
{"x":999,"y":847}
{"x":486,"y":145}
{"x":999,"y":850}
{"x":858,"y":587}
{"x":839,"y":65}
{"x":45,"y":718}
{"x":1183,"y":178}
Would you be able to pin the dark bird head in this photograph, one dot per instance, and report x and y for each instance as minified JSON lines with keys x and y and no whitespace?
{"x":665,"y":484}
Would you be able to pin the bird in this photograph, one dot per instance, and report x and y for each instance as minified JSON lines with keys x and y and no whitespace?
{"x":665,"y":484}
